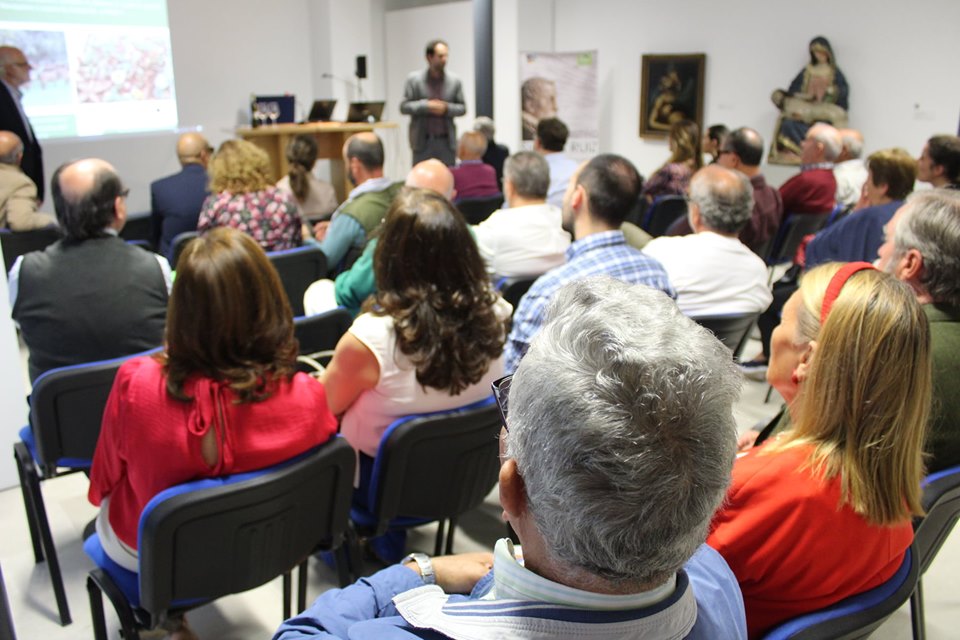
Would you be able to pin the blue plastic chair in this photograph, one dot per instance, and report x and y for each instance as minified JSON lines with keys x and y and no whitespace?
{"x":298,"y":268}
{"x":857,"y":616}
{"x":663,"y":212}
{"x":208,"y":538}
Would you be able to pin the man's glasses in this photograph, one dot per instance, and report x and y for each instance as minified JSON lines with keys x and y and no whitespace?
{"x":501,"y":393}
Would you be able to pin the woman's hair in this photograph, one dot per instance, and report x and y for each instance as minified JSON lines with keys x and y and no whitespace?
{"x":865,"y":404}
{"x":432,"y":282}
{"x":821,"y":43}
{"x":685,"y":135}
{"x":228,"y":317}
{"x":301,"y":154}
{"x":239,"y":166}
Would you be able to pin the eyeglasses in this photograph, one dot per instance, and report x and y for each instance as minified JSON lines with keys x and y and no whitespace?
{"x":501,"y":393}
{"x":124,"y":192}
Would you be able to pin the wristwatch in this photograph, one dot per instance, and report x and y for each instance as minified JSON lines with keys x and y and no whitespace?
{"x":425,"y":565}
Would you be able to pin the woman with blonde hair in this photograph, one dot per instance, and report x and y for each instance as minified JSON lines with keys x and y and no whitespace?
{"x":686,"y":158}
{"x":316,"y":199}
{"x":824,"y":511}
{"x":242,"y":196}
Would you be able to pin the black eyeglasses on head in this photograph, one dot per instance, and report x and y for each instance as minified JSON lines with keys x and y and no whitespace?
{"x":501,"y":393}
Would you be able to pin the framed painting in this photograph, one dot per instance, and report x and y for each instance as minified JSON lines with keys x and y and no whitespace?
{"x":671,"y":89}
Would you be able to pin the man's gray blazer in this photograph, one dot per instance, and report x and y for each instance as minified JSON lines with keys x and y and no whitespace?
{"x":415,"y":97}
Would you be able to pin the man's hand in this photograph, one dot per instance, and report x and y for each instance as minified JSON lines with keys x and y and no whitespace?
{"x":459,"y":573}
{"x":320,"y":230}
{"x":437,"y":107}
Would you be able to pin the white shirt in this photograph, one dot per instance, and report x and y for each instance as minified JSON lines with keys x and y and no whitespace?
{"x":525,"y":241}
{"x":850,"y":175}
{"x":561,"y":168}
{"x":397,"y":392}
{"x":713,"y":274}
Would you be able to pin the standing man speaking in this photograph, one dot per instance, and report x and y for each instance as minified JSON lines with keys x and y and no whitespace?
{"x":14,"y":73}
{"x":433,"y":98}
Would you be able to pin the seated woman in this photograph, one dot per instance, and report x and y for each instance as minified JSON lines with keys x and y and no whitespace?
{"x":686,"y":158}
{"x":315,"y":199}
{"x":823,"y":511}
{"x":242,"y":196}
{"x":222,"y":398}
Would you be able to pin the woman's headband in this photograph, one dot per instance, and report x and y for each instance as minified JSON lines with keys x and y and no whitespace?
{"x":836,"y":284}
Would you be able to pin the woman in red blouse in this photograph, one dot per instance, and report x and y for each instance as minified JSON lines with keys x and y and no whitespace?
{"x":824,"y":511}
{"x":222,"y":398}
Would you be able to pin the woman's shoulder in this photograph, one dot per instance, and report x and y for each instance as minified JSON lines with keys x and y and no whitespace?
{"x":761,"y":468}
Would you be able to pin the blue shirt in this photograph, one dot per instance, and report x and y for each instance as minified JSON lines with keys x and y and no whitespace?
{"x":856,"y":237}
{"x":599,"y":254}
{"x":561,"y":169}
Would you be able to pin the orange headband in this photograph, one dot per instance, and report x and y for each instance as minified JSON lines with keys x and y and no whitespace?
{"x":836,"y":284}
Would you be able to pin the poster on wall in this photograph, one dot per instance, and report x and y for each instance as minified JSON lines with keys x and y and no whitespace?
{"x":564,"y":86}
{"x":671,"y":89}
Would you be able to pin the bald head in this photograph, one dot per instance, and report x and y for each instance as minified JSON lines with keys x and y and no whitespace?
{"x":193,"y":148}
{"x":365,"y":147}
{"x":14,"y":68}
{"x":852,"y":144}
{"x":473,"y":145}
{"x":432,"y":174}
{"x":11,"y":148}
{"x":722,"y":200}
{"x":88,"y":197}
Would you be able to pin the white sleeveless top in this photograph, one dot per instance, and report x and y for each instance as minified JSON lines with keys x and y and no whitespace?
{"x":397,"y":392}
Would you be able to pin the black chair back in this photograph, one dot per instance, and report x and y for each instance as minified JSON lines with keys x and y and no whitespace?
{"x":732,"y":330}
{"x":228,"y":539}
{"x":298,"y":269}
{"x":512,"y":289}
{"x":6,"y":618}
{"x":795,"y":227}
{"x":178,"y":244}
{"x":476,"y":210}
{"x":438,"y":466}
{"x":664,"y":211}
{"x":17,"y":243}
{"x":321,"y":332}
{"x":139,"y":230}
{"x":941,"y":501}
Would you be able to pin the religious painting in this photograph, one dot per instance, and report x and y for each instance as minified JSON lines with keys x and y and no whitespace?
{"x":671,"y":89}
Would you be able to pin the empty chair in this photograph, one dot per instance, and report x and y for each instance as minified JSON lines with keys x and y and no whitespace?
{"x":66,"y":408}
{"x":298,"y":269}
{"x":476,"y":210}
{"x":178,"y":244}
{"x":795,"y":227}
{"x":664,"y":211}
{"x":732,"y":330}
{"x":17,"y":243}
{"x":209,"y":538}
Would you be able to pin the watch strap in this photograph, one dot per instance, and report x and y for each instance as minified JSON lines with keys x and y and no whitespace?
{"x":424,"y":564}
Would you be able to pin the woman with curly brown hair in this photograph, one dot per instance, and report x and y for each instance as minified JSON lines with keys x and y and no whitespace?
{"x":432,"y":336}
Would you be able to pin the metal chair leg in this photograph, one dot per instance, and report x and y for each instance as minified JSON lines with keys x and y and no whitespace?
{"x":96,"y":610}
{"x":302,"y":586}
{"x":25,"y":468}
{"x":99,"y":581}
{"x":286,"y":595}
{"x":344,"y":569}
{"x":917,"y":621}
{"x":450,"y":532}
{"x":438,"y":545}
{"x":6,"y":618}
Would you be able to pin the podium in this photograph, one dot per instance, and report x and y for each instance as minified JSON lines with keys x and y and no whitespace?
{"x":330,"y":136}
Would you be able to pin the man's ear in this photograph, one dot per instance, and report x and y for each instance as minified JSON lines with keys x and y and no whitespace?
{"x":911,"y":265}
{"x":513,"y":492}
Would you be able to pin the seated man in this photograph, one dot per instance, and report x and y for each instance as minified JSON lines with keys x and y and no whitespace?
{"x":849,"y":170}
{"x":890,"y":177}
{"x":175,"y":201}
{"x":712,"y":271}
{"x":527,"y":238}
{"x":90,"y":296}
{"x":814,"y":189}
{"x":18,"y":193}
{"x":550,"y":140}
{"x":496,"y":154}
{"x":473,"y":178}
{"x":611,"y":508}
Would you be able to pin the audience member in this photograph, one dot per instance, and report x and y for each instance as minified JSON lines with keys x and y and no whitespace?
{"x":550,"y":140}
{"x":939,"y":163}
{"x":825,"y":511}
{"x":611,"y":508}
{"x":712,"y":138}
{"x":849,"y":170}
{"x":814,"y":189}
{"x":175,"y":201}
{"x":90,"y":296}
{"x":18,"y":193}
{"x":921,"y":249}
{"x":356,"y":284}
{"x":223,"y":398}
{"x":243,"y":197}
{"x":599,"y":196}
{"x":890,"y":177}
{"x":14,"y":74}
{"x":432,"y":98}
{"x":430,"y":338}
{"x":315,"y":199}
{"x":365,"y":207}
{"x":527,"y":238}
{"x":496,"y":154}
{"x":473,"y":178}
{"x":712,"y":271}
{"x":673,"y":178}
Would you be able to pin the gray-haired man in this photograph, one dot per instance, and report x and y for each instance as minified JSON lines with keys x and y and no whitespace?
{"x":610,"y":478}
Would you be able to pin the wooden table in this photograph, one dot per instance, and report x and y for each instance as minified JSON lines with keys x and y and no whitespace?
{"x":330,"y":137}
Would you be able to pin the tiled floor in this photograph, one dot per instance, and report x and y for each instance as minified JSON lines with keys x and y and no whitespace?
{"x":256,"y":614}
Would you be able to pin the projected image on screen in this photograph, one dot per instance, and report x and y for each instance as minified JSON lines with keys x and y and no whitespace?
{"x":97,"y":68}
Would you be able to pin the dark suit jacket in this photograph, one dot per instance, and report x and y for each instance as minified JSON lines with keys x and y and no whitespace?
{"x":10,"y":120}
{"x":175,"y":203}
{"x":416,"y":93}
{"x":495,"y":155}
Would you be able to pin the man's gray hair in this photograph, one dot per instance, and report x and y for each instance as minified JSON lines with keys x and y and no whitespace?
{"x":829,"y":137}
{"x":931,"y":225}
{"x":13,"y":155}
{"x":724,"y":197}
{"x":485,"y":125}
{"x":853,"y":144}
{"x":529,"y":173}
{"x":621,"y":424}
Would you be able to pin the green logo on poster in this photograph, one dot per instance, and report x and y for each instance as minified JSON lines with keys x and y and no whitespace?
{"x":585,"y":59}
